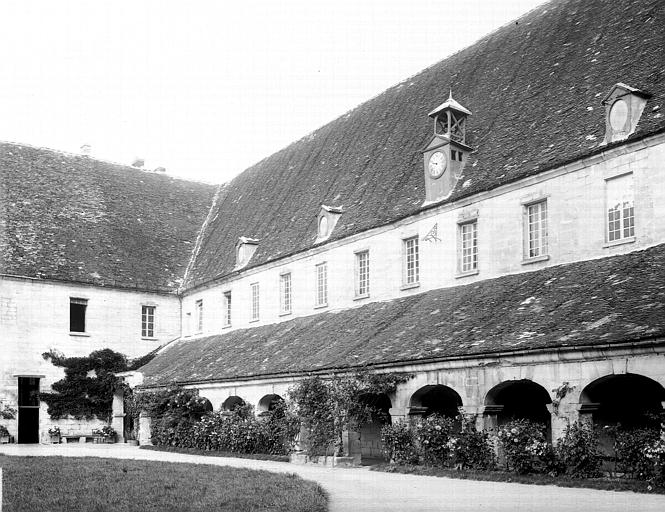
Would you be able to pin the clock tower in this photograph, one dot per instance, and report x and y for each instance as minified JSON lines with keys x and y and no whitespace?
{"x":446,"y":153}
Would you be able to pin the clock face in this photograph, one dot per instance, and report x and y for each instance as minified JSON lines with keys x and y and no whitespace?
{"x":437,"y":164}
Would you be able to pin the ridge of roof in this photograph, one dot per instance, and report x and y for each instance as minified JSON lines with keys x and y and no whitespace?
{"x":550,"y":71}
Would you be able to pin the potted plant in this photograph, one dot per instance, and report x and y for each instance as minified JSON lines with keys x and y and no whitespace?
{"x":7,"y":412}
{"x":54,"y":433}
{"x":4,"y":435}
{"x":107,"y":432}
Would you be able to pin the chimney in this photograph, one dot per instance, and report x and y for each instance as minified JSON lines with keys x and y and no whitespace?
{"x":138,"y":162}
{"x":85,"y":149}
{"x":160,"y":170}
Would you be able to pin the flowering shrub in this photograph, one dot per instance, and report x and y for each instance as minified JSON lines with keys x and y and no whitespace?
{"x":7,"y":412}
{"x":237,"y":431}
{"x":578,"y":451}
{"x":54,"y":431}
{"x":630,"y":446}
{"x":3,"y":431}
{"x":106,"y":431}
{"x":399,"y":443}
{"x":470,"y":449}
{"x":434,"y":437}
{"x":525,"y":447}
{"x":655,"y":453}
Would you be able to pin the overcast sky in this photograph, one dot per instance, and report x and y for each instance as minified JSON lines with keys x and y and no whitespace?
{"x":207,"y":88}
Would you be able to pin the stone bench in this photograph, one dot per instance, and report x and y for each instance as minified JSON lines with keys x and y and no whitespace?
{"x":84,"y":438}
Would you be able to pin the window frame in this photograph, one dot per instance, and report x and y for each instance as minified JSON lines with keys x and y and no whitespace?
{"x":79,"y":301}
{"x":463,"y":271}
{"x":148,"y":324}
{"x":359,"y":278}
{"x":255,"y":304}
{"x":227,"y":297}
{"x":543,"y":228}
{"x":621,"y":220}
{"x":198,"y":307}
{"x":407,"y":281}
{"x":285,"y":293}
{"x":321,"y":285}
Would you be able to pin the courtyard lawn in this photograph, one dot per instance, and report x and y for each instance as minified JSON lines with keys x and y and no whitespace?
{"x":95,"y":485}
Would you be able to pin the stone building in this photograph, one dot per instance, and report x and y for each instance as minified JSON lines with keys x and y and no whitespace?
{"x":494,"y":225}
{"x":91,"y":256}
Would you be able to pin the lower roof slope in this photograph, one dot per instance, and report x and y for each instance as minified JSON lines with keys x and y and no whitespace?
{"x":598,"y":302}
{"x":74,"y":218}
{"x":535,"y":88}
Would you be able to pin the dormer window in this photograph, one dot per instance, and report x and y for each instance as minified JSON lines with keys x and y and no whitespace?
{"x":623,"y":108}
{"x":327,"y":219}
{"x":245,"y":249}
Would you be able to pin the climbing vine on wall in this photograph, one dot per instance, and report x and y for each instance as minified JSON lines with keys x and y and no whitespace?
{"x":86,"y":392}
{"x":328,"y":406}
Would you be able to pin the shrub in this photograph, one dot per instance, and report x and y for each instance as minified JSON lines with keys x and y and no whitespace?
{"x":578,"y":451}
{"x":471,"y":449}
{"x":399,"y":443}
{"x":630,"y":448}
{"x":434,"y":435}
{"x":655,"y":452}
{"x":3,"y":431}
{"x":525,"y":447}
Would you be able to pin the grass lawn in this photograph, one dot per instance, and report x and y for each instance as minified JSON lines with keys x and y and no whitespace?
{"x":71,"y":484}
{"x":604,"y":484}
{"x":215,"y":453}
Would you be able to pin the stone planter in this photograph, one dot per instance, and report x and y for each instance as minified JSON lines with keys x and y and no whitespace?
{"x":55,"y":439}
{"x":6,"y":439}
{"x":132,"y":442}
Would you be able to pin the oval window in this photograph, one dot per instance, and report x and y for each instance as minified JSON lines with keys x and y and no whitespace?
{"x":323,"y":226}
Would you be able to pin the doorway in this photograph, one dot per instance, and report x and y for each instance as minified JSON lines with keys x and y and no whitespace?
{"x":28,"y":410}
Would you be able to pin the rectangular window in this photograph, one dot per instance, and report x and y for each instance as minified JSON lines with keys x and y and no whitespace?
{"x":285,"y":294}
{"x":199,"y":315}
{"x":362,"y":274}
{"x":148,"y":321}
{"x":411,"y":268}
{"x":321,"y":284}
{"x":227,"y":309}
{"x":255,"y":301}
{"x":468,"y":236}
{"x":536,"y":229}
{"x":77,"y":309}
{"x":620,"y":208}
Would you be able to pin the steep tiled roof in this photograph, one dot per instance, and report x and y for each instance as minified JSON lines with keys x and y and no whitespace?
{"x":74,"y":218}
{"x":599,"y":302}
{"x":535,"y":89}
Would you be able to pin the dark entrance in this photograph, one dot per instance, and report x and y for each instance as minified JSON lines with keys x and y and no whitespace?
{"x":28,"y":409}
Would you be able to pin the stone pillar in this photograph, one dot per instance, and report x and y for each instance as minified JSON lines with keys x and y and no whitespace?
{"x":415,"y":414}
{"x":144,"y":433}
{"x":351,"y":445}
{"x":397,"y":414}
{"x":118,"y":419}
{"x":489,"y":422}
{"x":561,"y":416}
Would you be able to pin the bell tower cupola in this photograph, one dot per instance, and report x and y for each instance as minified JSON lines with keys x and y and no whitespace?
{"x":446,"y":153}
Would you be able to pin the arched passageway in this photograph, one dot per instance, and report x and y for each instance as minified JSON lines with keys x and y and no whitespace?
{"x":371,"y":447}
{"x":435,"y":399}
{"x":232,"y":403}
{"x":629,"y":400}
{"x":269,"y":402}
{"x":516,"y":400}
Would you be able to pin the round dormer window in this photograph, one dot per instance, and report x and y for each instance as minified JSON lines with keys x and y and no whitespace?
{"x":323,"y":226}
{"x":618,"y":115}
